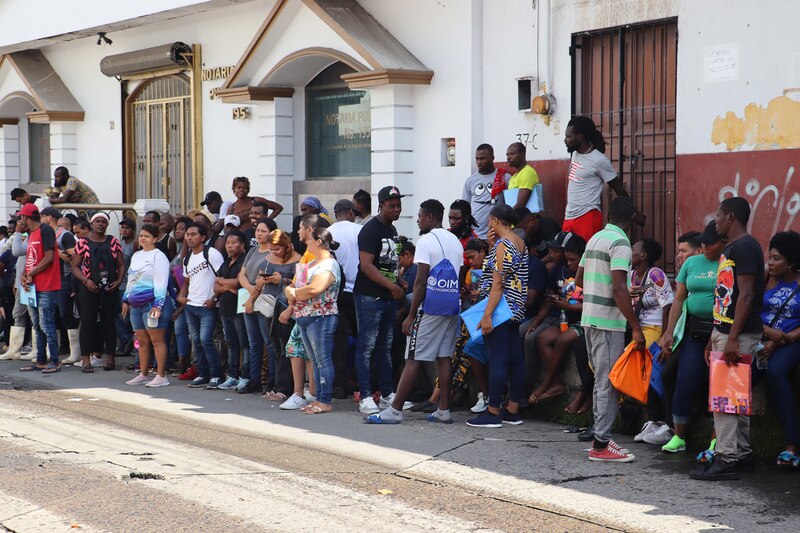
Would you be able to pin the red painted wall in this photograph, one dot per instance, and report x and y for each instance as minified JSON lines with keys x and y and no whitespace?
{"x":766,"y":178}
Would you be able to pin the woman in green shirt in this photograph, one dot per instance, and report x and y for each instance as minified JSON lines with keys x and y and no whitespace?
{"x":696,"y":283}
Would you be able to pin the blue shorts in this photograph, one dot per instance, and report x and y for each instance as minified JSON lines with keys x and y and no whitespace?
{"x":477,"y":351}
{"x":139,"y":315}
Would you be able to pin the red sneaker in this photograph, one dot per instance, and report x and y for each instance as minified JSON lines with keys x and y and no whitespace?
{"x":617,"y":447}
{"x":189,"y":374}
{"x":611,"y":454}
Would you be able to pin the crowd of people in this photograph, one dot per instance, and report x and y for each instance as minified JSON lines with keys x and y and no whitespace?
{"x":341,"y":305}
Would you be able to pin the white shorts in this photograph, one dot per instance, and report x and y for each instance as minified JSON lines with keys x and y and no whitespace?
{"x":432,"y":336}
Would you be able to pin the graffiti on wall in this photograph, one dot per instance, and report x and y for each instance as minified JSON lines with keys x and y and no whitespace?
{"x":768,"y":203}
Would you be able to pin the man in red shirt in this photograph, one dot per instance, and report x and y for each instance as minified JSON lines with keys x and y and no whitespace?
{"x":42,"y":278}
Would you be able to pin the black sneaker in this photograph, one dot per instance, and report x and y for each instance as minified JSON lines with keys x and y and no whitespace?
{"x":251,"y":388}
{"x":718,"y":471}
{"x":586,"y":435}
{"x":420,"y":407}
{"x":513,"y":419}
{"x":486,"y":420}
{"x":198,"y":383}
{"x":213,"y":384}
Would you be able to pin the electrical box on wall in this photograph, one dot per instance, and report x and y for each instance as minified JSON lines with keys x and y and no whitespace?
{"x":525,"y":90}
{"x":448,"y":151}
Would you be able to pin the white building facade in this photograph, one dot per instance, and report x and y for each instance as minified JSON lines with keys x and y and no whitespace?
{"x":697,"y":100}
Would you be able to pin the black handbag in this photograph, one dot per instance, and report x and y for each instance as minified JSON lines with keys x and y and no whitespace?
{"x":278,"y":329}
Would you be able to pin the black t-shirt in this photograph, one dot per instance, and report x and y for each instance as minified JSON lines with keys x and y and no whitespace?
{"x":380,"y":240}
{"x":249,"y":239}
{"x":742,"y":256}
{"x":228,"y":300}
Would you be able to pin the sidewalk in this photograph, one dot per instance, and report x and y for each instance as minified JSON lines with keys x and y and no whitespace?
{"x":535,"y":464}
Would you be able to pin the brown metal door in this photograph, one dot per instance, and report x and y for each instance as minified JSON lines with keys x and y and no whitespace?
{"x":625,"y":79}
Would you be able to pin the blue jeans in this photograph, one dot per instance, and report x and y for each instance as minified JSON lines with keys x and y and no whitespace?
{"x":43,"y":317}
{"x":692,"y":375}
{"x":317,"y":333}
{"x":779,"y":379}
{"x":506,"y":363}
{"x":236,"y":338}
{"x":201,"y":321}
{"x":375,"y":319}
{"x":258,"y":336}
{"x":183,"y":344}
{"x":122,"y":325}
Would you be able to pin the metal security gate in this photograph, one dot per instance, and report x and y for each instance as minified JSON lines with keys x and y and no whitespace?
{"x":625,"y":79}
{"x":160,"y":160}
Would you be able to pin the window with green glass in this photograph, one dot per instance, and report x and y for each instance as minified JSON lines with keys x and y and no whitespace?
{"x":338,"y":127}
{"x":39,"y":152}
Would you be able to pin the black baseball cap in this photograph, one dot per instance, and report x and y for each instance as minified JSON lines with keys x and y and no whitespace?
{"x":709,"y":235}
{"x":210,"y":197}
{"x":560,"y":240}
{"x":388,"y":193}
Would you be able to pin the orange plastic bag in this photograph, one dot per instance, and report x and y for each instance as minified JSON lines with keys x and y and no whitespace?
{"x":730,"y":387}
{"x":631,"y":373}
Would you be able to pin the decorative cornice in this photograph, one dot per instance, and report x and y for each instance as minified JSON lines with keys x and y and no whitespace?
{"x":237,"y":95}
{"x":373,"y":78}
{"x":43,"y":117}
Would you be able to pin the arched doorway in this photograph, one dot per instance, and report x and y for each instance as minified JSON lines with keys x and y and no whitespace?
{"x":159,"y":143}
{"x":338,"y":127}
{"x":33,"y":147}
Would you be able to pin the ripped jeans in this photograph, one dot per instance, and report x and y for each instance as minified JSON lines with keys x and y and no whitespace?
{"x":317,"y":333}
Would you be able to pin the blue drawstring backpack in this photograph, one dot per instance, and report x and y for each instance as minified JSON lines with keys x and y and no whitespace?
{"x":442,"y":295}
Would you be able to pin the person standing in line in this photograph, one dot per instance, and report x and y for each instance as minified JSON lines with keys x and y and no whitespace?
{"x":312,"y":300}
{"x":738,"y":299}
{"x":99,"y":266}
{"x":432,"y":326}
{"x":484,"y":189}
{"x":197,"y":295}
{"x":127,"y":239}
{"x":165,"y":239}
{"x":149,"y":306}
{"x":66,"y":299}
{"x":375,"y":293}
{"x":42,"y":275}
{"x":226,"y":288}
{"x":607,"y":310}
{"x":363,"y":203}
{"x":688,"y":245}
{"x":20,"y":315}
{"x":588,"y":171}
{"x":525,"y":178}
{"x":505,"y":276}
{"x":345,"y":231}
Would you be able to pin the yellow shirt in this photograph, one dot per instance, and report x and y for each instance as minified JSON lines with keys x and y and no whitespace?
{"x":527,"y":178}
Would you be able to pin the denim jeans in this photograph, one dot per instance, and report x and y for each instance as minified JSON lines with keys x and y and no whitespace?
{"x":202,"y":321}
{"x":183,"y":344}
{"x":258,"y":336}
{"x":779,"y":378}
{"x":66,"y":303}
{"x":375,"y":318}
{"x":506,"y":363}
{"x":692,"y":375}
{"x":236,"y":338}
{"x":123,"y":326}
{"x":43,"y":317}
{"x":317,"y":333}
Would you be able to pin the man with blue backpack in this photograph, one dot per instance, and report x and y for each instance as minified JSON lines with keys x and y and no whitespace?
{"x":433,"y":319}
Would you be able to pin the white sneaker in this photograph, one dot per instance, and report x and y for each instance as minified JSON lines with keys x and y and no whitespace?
{"x":242,"y":384}
{"x":481,"y":405}
{"x":387,"y":401}
{"x":660,"y":436}
{"x":308,"y":396}
{"x":158,"y":381}
{"x":294,"y":403}
{"x":368,"y":407}
{"x":139,"y":380}
{"x":646,"y":428}
{"x":230,"y":383}
{"x":97,"y":361}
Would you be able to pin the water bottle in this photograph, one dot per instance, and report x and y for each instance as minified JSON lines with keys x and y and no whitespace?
{"x":564,"y":325}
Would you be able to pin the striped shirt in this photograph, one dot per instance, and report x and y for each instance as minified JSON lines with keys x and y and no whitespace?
{"x":515,"y":277}
{"x":608,"y":250}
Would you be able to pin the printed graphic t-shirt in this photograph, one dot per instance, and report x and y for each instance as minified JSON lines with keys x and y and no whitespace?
{"x":586,"y":177}
{"x":201,"y":277}
{"x":478,"y":192}
{"x":741,"y":257}
{"x":380,"y":240}
{"x":656,"y":297}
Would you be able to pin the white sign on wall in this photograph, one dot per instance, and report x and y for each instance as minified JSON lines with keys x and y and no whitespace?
{"x":721,"y":63}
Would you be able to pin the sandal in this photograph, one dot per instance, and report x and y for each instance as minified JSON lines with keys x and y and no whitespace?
{"x":787,"y":460}
{"x":110,"y":364}
{"x":317,"y":410}
{"x":707,"y":457}
{"x":34,"y":367}
{"x":51,"y":369}
{"x":278,"y":397}
{"x":547,"y":395}
{"x":87,"y":369}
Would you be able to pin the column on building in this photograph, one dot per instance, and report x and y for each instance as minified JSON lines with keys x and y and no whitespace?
{"x":9,"y":166}
{"x":276,"y":154}
{"x":64,"y":148}
{"x":392,"y":116}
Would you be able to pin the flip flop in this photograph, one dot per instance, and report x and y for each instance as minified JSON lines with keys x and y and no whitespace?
{"x":787,"y":460}
{"x":317,"y":410}
{"x":51,"y":369}
{"x":32,"y":368}
{"x":376,"y":419}
{"x":547,"y":396}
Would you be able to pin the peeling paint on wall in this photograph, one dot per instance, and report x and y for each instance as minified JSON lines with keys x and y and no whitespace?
{"x":762,"y":128}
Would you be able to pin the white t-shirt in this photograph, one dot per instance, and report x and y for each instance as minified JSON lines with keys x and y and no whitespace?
{"x":201,"y":277}
{"x":429,"y":251}
{"x":346,"y":234}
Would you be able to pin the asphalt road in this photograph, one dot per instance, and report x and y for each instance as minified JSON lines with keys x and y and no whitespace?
{"x":88,"y":452}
